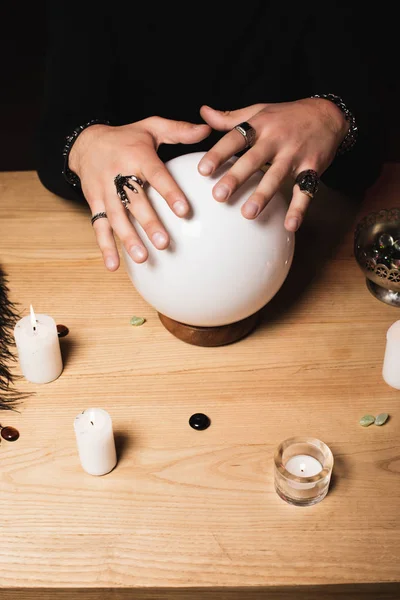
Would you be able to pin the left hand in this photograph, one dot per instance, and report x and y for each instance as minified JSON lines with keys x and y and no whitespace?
{"x":290,"y":136}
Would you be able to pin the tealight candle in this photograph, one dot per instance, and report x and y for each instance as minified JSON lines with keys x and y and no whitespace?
{"x":303,"y":465}
{"x":303,"y":468}
{"x":391,"y":360}
{"x":38,"y":348}
{"x":95,"y":440}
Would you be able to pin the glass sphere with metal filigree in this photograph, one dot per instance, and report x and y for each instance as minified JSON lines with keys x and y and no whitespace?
{"x":377,"y":252}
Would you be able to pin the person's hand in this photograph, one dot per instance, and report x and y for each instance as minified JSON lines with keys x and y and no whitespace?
{"x":290,"y":136}
{"x":102,"y":152}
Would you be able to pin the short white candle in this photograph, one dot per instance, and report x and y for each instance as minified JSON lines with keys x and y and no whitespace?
{"x":303,"y":465}
{"x":95,"y":440}
{"x":391,"y":361}
{"x":38,"y":348}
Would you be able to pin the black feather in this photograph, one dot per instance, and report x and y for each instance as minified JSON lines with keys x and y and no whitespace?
{"x":10,"y":397}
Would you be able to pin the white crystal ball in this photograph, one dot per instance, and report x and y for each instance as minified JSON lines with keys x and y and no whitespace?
{"x":220,"y":267}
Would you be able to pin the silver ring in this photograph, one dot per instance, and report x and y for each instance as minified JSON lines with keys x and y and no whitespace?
{"x":308,"y":182}
{"x":248,"y":132}
{"x":99,"y":215}
{"x":122,"y":181}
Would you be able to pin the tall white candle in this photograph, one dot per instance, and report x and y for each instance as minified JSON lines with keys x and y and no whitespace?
{"x":95,"y":440}
{"x":38,"y":348}
{"x":391,"y":361}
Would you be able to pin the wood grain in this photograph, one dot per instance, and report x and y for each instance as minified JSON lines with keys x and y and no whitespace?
{"x":189,"y":514}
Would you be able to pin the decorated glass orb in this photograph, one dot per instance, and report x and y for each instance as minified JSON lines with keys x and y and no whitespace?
{"x":220,"y":267}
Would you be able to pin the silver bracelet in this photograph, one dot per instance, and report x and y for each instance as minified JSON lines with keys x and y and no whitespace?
{"x":352,"y":134}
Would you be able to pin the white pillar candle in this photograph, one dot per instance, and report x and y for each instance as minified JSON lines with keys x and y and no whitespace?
{"x":391,"y":361}
{"x":95,"y":440}
{"x":38,"y":348}
{"x":303,"y":465}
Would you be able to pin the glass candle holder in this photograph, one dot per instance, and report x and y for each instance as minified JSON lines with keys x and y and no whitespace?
{"x":303,"y":468}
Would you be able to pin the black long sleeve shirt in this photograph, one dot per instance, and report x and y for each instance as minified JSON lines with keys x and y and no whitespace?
{"x":128,"y":61}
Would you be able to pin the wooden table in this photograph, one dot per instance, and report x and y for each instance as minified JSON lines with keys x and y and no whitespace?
{"x":190,"y":514}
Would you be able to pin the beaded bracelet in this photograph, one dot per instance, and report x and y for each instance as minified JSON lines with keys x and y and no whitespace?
{"x":71,"y":177}
{"x":351,"y":136}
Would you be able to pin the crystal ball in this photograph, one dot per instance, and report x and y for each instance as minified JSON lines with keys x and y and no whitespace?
{"x":220,"y":267}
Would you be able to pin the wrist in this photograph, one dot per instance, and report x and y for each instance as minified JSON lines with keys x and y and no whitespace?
{"x":350,"y":135}
{"x":69,"y":173}
{"x":82,"y":144}
{"x":335,"y":116}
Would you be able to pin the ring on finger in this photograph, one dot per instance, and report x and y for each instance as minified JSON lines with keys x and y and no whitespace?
{"x":99,"y":215}
{"x":123,"y":181}
{"x":248,"y":132}
{"x":308,"y":182}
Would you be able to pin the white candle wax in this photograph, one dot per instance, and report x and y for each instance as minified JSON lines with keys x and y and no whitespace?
{"x":95,"y":440}
{"x":303,"y":465}
{"x":391,"y":361}
{"x":38,"y":348}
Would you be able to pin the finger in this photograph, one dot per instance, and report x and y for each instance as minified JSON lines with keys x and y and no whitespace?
{"x":168,"y":131}
{"x":144,"y":213}
{"x":267,"y":188}
{"x":102,"y":228}
{"x":297,"y":209}
{"x":231,"y":143}
{"x":157,"y":175}
{"x":225,"y":120}
{"x":241,"y":170}
{"x":300,"y":199}
{"x":106,"y":242}
{"x":123,"y":227}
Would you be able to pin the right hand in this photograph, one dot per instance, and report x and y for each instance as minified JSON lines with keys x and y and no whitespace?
{"x":101,"y":152}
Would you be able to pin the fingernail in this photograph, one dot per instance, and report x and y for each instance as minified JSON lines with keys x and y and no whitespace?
{"x":137,"y":253}
{"x":206,"y":167}
{"x":250,"y":210}
{"x":160,"y":240}
{"x":111,"y":263}
{"x":221,"y":192}
{"x":180,"y":208}
{"x":293,"y":224}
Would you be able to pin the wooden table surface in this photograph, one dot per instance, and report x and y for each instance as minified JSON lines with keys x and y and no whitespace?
{"x":189,"y":514}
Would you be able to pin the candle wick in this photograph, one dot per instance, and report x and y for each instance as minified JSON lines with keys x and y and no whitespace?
{"x":91,"y":422}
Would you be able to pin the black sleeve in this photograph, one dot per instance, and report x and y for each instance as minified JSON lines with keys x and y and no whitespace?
{"x":342,"y":58}
{"x":77,"y":83}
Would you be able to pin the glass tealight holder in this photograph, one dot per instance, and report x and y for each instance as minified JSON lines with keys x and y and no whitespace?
{"x":303,"y":469}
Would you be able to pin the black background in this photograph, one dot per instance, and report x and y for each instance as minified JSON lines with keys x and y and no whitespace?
{"x":22,"y":51}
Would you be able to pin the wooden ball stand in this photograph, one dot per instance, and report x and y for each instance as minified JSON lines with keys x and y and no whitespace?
{"x":210,"y":336}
